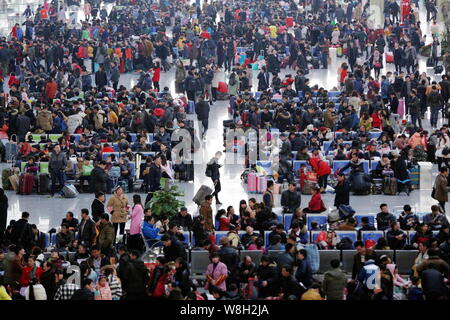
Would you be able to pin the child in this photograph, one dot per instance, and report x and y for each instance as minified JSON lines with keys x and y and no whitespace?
{"x":103,"y":292}
{"x":414,"y":292}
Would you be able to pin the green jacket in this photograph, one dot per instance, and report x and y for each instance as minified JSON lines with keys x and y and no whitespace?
{"x":106,"y":235}
{"x":334,"y":282}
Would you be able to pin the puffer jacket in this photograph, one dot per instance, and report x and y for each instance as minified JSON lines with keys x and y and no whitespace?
{"x":57,"y":161}
{"x":333,"y":284}
{"x":44,"y":120}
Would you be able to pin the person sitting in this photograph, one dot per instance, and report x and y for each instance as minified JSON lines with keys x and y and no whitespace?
{"x":247,"y":238}
{"x":275,"y":243}
{"x":278,"y":231}
{"x":304,"y":271}
{"x":316,"y":204}
{"x":365,"y":226}
{"x":64,"y":237}
{"x":384,"y":218}
{"x":150,"y":231}
{"x":327,"y":239}
{"x":408,"y":220}
{"x":396,"y":238}
{"x":348,"y":225}
{"x":423,"y":235}
{"x":257,"y":244}
{"x":290,"y":199}
{"x":300,"y":232}
{"x":435,"y":219}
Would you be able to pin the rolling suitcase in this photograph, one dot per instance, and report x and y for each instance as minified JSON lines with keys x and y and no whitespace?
{"x":191,"y":107}
{"x":26,"y":182}
{"x":252,"y":182}
{"x":438,"y":69}
{"x":43,"y":183}
{"x":262,"y":184}
{"x":69,"y":191}
{"x":201,"y":194}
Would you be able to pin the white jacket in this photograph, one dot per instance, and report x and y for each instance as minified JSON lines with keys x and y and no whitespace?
{"x":74,"y":121}
{"x":39,"y":292}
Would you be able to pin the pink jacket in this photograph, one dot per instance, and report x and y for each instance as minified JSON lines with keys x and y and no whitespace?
{"x":104,"y":293}
{"x":220,"y":270}
{"x":137,"y":214}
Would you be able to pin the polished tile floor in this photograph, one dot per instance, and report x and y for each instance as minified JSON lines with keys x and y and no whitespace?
{"x":47,"y":212}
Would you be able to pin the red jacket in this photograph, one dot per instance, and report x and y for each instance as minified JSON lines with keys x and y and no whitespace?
{"x":319,"y":166}
{"x":316,"y":203}
{"x":377,"y":122}
{"x":50,"y":90}
{"x":156,"y":75}
{"x":25,"y":278}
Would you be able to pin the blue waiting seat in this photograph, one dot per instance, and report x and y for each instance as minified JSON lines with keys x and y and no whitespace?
{"x":150,"y":137}
{"x":338,"y":164}
{"x":373,"y":165}
{"x":220,"y":235}
{"x":77,"y":137}
{"x":420,"y":215}
{"x":321,"y":219}
{"x":371,"y":235}
{"x":266,"y":238}
{"x":352,"y":235}
{"x":326,"y":146}
{"x":187,"y":238}
{"x":287,"y":221}
{"x":133,"y":137}
{"x":106,"y":154}
{"x":358,"y":218}
{"x":374,"y":135}
{"x":296,"y":164}
{"x":314,"y":236}
{"x":266,"y":165}
{"x":334,"y":94}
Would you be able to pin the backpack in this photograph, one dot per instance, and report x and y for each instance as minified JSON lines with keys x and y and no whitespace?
{"x":345,"y":244}
{"x":114,"y":172}
{"x":208,"y":171}
{"x":192,"y":85}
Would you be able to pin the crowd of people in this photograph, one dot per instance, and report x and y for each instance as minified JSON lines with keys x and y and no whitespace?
{"x":64,"y":78}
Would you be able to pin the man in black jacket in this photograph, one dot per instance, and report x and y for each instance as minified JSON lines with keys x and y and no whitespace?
{"x":173,"y":249}
{"x":21,"y":233}
{"x":214,"y":166}
{"x":152,"y":179}
{"x":100,"y":78}
{"x":396,"y":238}
{"x":202,"y":110}
{"x":99,"y":178}
{"x":287,"y":286}
{"x":137,"y":277}
{"x":87,"y":228}
{"x":37,"y":237}
{"x":361,"y":257}
{"x":184,"y":219}
{"x":230,"y":257}
{"x":290,"y":199}
{"x":342,"y":190}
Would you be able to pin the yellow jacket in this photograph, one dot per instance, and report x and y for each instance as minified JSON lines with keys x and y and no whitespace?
{"x":3,"y":294}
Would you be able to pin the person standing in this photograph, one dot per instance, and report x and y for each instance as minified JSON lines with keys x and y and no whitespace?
{"x":57,"y":165}
{"x":137,"y":214}
{"x":98,"y":206}
{"x":87,"y":229}
{"x":334,"y":282}
{"x":440,"y":188}
{"x":118,"y":207}
{"x":208,"y":77}
{"x":342,"y":190}
{"x":115,"y":75}
{"x":3,"y":213}
{"x":101,"y":79}
{"x":202,"y":110}
{"x":214,"y":166}
{"x":206,"y":213}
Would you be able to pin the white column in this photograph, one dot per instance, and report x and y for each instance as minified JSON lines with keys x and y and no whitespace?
{"x":426,"y":176}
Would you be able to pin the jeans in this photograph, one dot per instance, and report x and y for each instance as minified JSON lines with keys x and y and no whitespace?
{"x":205,"y":126}
{"x":416,"y":118}
{"x":57,"y":177}
{"x":434,"y":116}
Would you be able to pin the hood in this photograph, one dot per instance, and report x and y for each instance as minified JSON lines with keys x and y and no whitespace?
{"x":335,"y":273}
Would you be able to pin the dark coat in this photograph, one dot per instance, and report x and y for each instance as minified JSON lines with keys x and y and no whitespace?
{"x":342,"y":194}
{"x":100,"y":79}
{"x":87,"y":233}
{"x":21,"y":233}
{"x":99,"y":179}
{"x":83,"y":294}
{"x":97,"y":209}
{"x":175,"y":250}
{"x":137,"y":277}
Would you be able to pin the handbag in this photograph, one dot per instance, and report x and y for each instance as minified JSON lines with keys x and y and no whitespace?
{"x":433,"y":193}
{"x":445,"y":151}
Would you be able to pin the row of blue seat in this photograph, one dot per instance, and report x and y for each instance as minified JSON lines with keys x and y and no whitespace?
{"x":77,"y":136}
{"x":189,"y":238}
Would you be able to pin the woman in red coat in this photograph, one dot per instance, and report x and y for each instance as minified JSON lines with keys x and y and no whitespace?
{"x":156,"y":75}
{"x":377,"y":120}
{"x":322,"y":169}
{"x":316,"y":204}
{"x":29,"y":272}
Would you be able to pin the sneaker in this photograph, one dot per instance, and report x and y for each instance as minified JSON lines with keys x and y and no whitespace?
{"x":218,"y":203}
